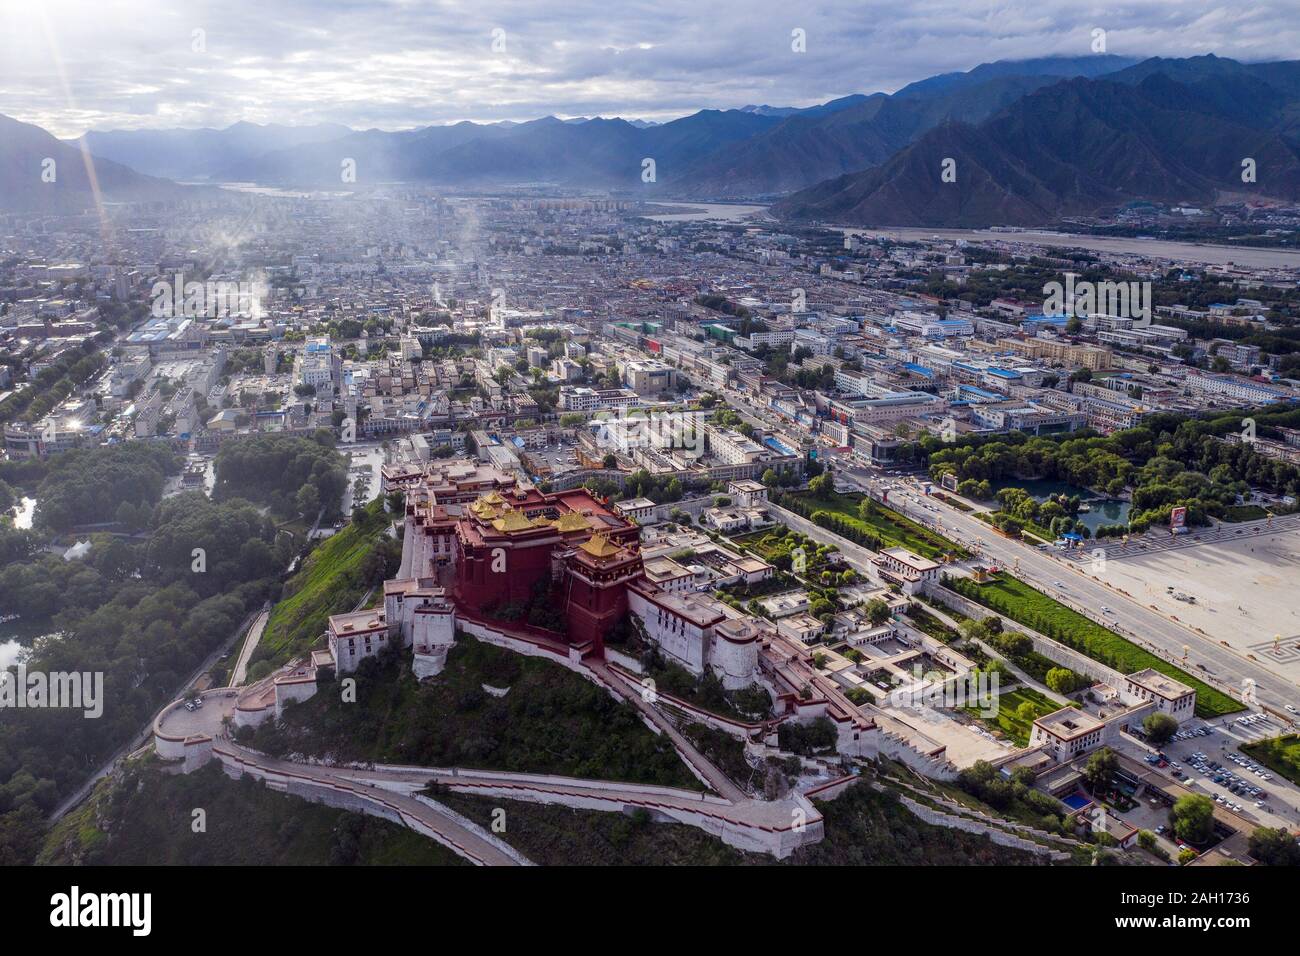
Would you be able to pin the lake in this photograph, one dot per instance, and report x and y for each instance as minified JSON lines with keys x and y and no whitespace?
{"x":1103,"y":510}
{"x":17,"y":638}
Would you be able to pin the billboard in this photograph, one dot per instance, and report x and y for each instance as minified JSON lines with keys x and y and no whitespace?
{"x":1178,"y":518}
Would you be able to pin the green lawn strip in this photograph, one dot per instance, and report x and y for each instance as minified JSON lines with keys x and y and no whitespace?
{"x":1030,"y":527}
{"x":1244,"y":513}
{"x":1279,"y":754}
{"x":1034,"y":609}
{"x":1008,"y":718}
{"x":952,"y":502}
{"x":892,"y":528}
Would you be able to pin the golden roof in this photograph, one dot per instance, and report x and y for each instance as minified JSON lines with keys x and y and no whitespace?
{"x":599,"y":546}
{"x":571,"y":521}
{"x":490,"y":506}
{"x":512,"y":520}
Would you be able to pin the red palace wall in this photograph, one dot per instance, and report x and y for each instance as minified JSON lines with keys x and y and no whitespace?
{"x":480,"y":587}
{"x":591,"y":612}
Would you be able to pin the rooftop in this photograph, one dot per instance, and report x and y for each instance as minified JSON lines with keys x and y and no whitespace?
{"x":1158,"y":683}
{"x":1068,"y":723}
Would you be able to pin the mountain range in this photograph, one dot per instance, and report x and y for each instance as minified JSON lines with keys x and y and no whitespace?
{"x":1174,"y":131}
{"x":192,"y":154}
{"x":1032,"y":141}
{"x":39,"y":173}
{"x":755,"y":151}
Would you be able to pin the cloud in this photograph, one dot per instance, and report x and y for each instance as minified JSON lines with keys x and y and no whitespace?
{"x":70,"y":65}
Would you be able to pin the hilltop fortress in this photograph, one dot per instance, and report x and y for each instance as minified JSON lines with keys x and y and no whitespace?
{"x":478,"y":543}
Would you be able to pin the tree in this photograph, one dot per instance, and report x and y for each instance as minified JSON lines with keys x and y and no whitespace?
{"x":1100,"y":770}
{"x":1061,"y":679}
{"x":1274,"y":846}
{"x":1192,"y":818}
{"x":1159,"y":728}
{"x":822,"y":486}
{"x":877,"y":611}
{"x":307,"y":501}
{"x":770,"y":478}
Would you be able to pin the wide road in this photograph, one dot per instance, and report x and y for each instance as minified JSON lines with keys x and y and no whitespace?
{"x":1210,"y":661}
{"x":468,"y":841}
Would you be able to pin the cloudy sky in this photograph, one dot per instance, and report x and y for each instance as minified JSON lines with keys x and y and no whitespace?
{"x":72,"y":65}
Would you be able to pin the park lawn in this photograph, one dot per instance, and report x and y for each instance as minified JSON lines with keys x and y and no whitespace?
{"x":1244,"y":513}
{"x":330,"y":581}
{"x":1030,"y":527}
{"x":1279,"y":754}
{"x":892,"y":528}
{"x":923,"y":620}
{"x":1034,"y":609}
{"x":1008,"y":718}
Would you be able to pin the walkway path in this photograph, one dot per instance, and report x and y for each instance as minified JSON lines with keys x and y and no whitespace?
{"x":755,"y":825}
{"x":703,"y":767}
{"x":240,"y":670}
{"x":998,"y":655}
{"x":461,"y":837}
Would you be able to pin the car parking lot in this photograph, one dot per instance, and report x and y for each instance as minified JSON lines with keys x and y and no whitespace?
{"x":1205,"y":757}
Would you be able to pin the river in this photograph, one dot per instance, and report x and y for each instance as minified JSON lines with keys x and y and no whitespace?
{"x":717,"y":211}
{"x":1208,"y":254}
{"x":1150,"y":248}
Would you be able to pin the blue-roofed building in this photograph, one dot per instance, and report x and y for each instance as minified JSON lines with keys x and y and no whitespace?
{"x":1032,"y":323}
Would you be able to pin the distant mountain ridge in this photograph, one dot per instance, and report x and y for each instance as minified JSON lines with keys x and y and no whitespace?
{"x":190,"y":153}
{"x":758,"y":150}
{"x":71,"y":188}
{"x":1172,"y":131}
{"x":1033,"y":140}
